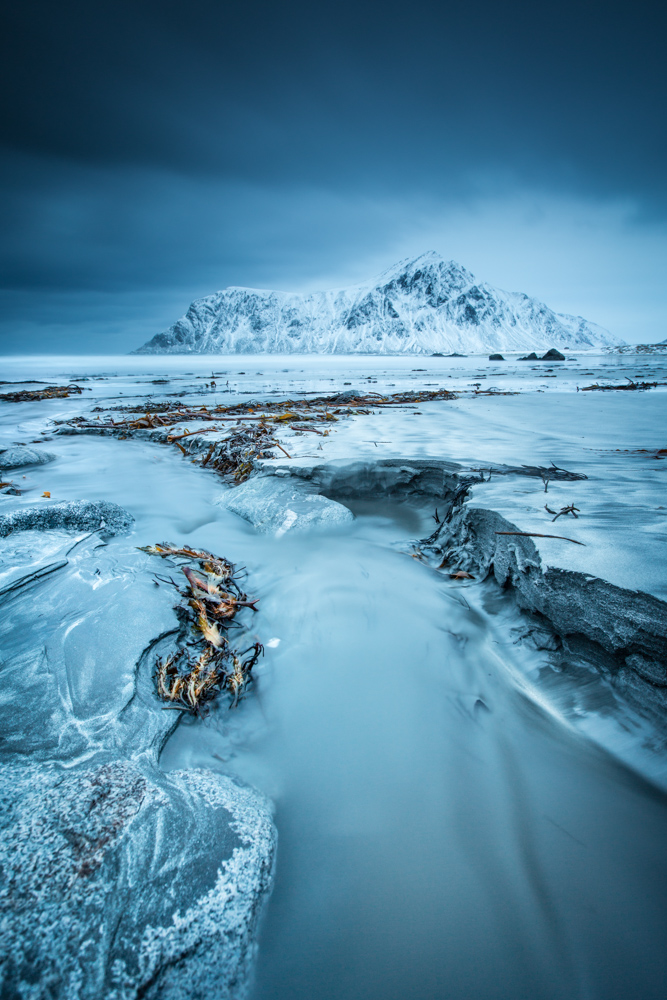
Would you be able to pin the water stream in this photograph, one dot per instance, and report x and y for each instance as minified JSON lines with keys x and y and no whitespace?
{"x":443,"y":830}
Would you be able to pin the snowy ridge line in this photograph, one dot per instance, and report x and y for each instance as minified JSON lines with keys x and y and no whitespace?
{"x":419,"y":306}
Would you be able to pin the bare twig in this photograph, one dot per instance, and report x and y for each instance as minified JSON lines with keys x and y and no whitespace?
{"x":537,"y":534}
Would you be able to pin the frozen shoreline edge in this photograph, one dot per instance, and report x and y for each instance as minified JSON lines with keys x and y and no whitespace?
{"x":622,"y":632}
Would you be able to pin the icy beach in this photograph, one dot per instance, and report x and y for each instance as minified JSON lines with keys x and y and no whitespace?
{"x":456,"y":734}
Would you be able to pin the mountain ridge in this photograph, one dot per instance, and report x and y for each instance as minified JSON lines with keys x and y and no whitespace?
{"x":419,"y":305}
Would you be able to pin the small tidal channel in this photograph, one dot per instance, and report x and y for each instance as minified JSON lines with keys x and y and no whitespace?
{"x":440,"y":834}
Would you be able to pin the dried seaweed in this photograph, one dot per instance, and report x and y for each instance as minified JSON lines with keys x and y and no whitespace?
{"x":253,"y":437}
{"x":51,"y":392}
{"x":205,"y":663}
{"x":622,"y":387}
{"x":570,"y":509}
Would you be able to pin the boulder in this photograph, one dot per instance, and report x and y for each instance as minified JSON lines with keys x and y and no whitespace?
{"x":496,"y":357}
{"x":73,"y":515}
{"x":529,"y":357}
{"x":278,"y":507}
{"x":16,"y":458}
{"x":553,"y":355}
{"x":120,"y":881}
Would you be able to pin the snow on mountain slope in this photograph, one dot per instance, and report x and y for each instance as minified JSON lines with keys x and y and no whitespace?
{"x":419,"y":306}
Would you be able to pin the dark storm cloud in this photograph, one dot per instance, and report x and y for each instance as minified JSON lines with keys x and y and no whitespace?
{"x":383,"y":93}
{"x":187,"y":145}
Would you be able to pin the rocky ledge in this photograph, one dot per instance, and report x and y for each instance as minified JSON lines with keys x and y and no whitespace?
{"x":620,"y":631}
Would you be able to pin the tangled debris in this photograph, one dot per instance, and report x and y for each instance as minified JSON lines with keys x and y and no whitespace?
{"x":253,"y":434}
{"x":545,"y":473}
{"x":631,"y":386}
{"x":9,"y":488}
{"x":51,"y":392}
{"x":205,"y":662}
{"x":570,"y":509}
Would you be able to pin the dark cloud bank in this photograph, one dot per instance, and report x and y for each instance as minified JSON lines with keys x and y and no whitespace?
{"x":156,"y":151}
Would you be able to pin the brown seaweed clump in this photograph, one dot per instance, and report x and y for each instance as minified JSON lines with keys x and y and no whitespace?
{"x":205,"y":663}
{"x":50,"y":392}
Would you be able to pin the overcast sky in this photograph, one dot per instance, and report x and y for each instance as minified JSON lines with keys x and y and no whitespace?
{"x":156,"y":150}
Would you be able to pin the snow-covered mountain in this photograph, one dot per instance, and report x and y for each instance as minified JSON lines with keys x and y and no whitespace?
{"x":419,"y":306}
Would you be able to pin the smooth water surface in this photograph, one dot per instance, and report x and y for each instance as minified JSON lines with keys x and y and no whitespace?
{"x":445,"y":829}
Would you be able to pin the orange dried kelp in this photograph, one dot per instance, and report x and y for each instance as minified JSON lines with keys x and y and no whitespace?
{"x":205,"y":663}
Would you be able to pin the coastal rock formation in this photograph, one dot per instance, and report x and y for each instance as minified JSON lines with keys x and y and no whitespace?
{"x":20,"y":455}
{"x":122,"y":882}
{"x":72,"y":515}
{"x":272,"y":505}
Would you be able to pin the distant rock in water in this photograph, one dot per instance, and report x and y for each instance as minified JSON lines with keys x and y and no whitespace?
{"x":529,"y":357}
{"x":553,"y":355}
{"x":496,"y":357}
{"x":425,"y":305}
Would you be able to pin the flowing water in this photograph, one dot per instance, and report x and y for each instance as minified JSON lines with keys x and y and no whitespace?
{"x":445,"y":831}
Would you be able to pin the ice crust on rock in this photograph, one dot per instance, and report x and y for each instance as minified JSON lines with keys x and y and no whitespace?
{"x":421,"y":305}
{"x":279,"y":507}
{"x":73,"y":515}
{"x":17,"y":457}
{"x":119,"y":880}
{"x":629,"y":625}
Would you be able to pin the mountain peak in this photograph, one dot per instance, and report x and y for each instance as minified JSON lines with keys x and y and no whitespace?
{"x":427,"y":261}
{"x":421,"y":305}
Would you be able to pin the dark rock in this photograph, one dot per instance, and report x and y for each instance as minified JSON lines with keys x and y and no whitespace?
{"x":529,"y":357}
{"x":455,"y":355}
{"x":346,"y":397}
{"x":553,"y":355}
{"x":625,"y":624}
{"x":73,"y":515}
{"x":437,"y":354}
{"x":435,"y":479}
{"x":496,"y":357}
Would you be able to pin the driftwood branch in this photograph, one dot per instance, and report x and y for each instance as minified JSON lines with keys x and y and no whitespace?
{"x":537,"y":534}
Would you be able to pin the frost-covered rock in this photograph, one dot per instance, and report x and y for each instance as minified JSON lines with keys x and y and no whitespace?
{"x":422,"y":305}
{"x":119,"y":882}
{"x":74,"y":515}
{"x":275,"y":506}
{"x":630,"y":626}
{"x":16,"y":458}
